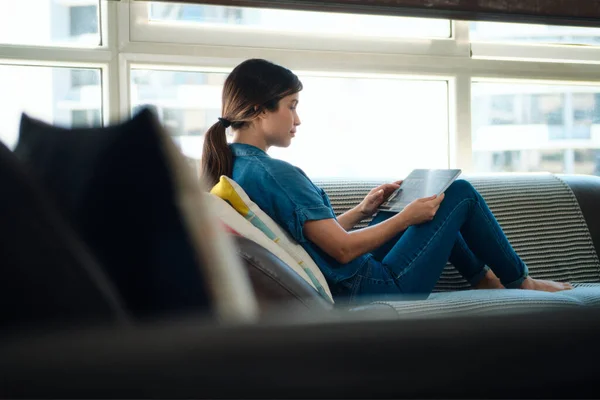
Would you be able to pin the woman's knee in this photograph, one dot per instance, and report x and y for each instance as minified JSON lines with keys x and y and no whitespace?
{"x":461,"y":188}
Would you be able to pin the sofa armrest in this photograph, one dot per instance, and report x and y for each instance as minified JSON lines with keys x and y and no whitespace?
{"x":274,"y":282}
{"x":587,"y":191}
{"x":536,"y":355}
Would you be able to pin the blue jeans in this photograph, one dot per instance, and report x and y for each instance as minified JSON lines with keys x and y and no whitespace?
{"x":463,"y":231}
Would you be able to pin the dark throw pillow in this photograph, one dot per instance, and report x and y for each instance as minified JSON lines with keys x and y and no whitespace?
{"x":49,"y":277}
{"x":116,"y":187}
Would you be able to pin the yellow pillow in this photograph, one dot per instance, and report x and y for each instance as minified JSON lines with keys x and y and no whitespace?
{"x":230,"y":191}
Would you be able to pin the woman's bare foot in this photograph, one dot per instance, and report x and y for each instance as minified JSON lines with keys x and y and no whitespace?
{"x":489,"y":281}
{"x":545,"y":286}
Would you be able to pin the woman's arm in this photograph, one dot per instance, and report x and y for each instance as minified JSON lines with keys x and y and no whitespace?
{"x":368,"y":206}
{"x":350,"y":218}
{"x":333,"y":239}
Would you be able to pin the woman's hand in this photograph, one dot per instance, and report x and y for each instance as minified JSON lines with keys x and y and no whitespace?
{"x":376,"y":197}
{"x":422,"y":210}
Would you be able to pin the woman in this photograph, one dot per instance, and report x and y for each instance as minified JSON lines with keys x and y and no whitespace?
{"x":399,"y":253}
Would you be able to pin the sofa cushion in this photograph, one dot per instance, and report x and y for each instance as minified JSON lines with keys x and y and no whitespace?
{"x":538,"y":212}
{"x":128,"y":192}
{"x":232,"y":193}
{"x":492,"y":302}
{"x":278,"y":287}
{"x":587,"y":294}
{"x":241,"y":226}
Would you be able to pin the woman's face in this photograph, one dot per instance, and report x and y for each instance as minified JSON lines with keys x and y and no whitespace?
{"x":279,"y":126}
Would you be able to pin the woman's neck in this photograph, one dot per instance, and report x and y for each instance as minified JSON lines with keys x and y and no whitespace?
{"x":249,"y":136}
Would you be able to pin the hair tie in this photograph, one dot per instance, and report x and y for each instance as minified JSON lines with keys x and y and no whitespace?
{"x":225,"y":122}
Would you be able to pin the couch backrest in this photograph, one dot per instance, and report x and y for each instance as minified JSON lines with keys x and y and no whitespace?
{"x":586,"y":189}
{"x":538,"y":212}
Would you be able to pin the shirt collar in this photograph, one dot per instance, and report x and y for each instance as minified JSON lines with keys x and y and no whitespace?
{"x":241,"y":149}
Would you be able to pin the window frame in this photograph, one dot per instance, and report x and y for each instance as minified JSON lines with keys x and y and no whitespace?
{"x":142,"y":30}
{"x":125,"y":45}
{"x":547,"y":53}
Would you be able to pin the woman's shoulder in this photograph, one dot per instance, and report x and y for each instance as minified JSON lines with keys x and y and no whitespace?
{"x":284,"y":166}
{"x":288,"y":173}
{"x":277,"y":172}
{"x":274,"y":167}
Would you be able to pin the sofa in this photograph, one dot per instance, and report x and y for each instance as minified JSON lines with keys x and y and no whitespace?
{"x":118,"y":282}
{"x":551,"y":220}
{"x":131,"y":199}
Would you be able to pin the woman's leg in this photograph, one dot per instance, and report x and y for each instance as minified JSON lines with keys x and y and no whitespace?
{"x":481,"y":242}
{"x":466,"y":263}
{"x":479,"y":275}
{"x":419,"y":256}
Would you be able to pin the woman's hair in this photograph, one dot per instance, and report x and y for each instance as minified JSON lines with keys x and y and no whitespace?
{"x":252,"y":87}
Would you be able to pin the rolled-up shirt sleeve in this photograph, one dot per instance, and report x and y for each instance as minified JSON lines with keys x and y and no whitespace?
{"x":302,"y":215}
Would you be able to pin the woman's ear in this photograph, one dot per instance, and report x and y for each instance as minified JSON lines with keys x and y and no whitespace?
{"x":261,"y":112}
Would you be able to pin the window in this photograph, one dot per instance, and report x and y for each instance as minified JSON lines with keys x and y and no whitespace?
{"x":526,"y":33}
{"x":252,"y":28}
{"x":84,"y":20}
{"x":502,"y":110}
{"x":550,"y":128}
{"x":351,"y":126}
{"x":188,"y":103}
{"x":84,"y":77}
{"x":369,"y":127}
{"x":300,"y":21}
{"x":46,"y":93}
{"x":546,"y":108}
{"x":383,"y":95}
{"x":86,"y":118}
{"x":50,"y":22}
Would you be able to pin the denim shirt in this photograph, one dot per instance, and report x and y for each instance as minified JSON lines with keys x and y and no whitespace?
{"x":290,"y":198}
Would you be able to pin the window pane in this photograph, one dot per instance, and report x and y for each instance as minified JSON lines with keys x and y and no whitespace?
{"x":50,"y":22}
{"x":351,"y":127}
{"x":50,"y":94}
{"x":534,"y":128}
{"x":187,"y":103}
{"x":525,"y":33}
{"x":300,"y":21}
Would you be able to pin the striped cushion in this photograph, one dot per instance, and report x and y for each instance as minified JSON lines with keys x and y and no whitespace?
{"x":538,"y":212}
{"x":586,"y":293}
{"x":493,"y":302}
{"x":228,"y":190}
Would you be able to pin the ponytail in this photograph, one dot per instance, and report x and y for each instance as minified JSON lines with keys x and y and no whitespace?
{"x":217,"y":159}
